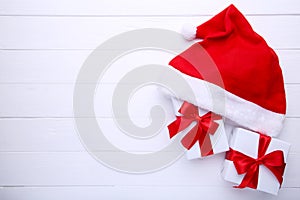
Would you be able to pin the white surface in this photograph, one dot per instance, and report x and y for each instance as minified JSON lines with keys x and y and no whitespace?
{"x":42,"y":47}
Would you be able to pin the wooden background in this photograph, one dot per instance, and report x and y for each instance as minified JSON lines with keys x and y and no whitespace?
{"x":42,"y":47}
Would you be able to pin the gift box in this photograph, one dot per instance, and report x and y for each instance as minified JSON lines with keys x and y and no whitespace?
{"x":204,"y":132}
{"x":255,"y":161}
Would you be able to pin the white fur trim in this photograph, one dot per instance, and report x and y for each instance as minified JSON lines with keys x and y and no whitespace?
{"x":242,"y":112}
{"x":188,"y":31}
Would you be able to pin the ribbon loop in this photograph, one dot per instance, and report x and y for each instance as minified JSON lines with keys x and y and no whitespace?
{"x":205,"y":125}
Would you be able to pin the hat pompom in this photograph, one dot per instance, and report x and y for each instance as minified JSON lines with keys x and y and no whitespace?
{"x":188,"y":31}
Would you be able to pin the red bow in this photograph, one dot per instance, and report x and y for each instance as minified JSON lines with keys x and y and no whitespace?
{"x":205,"y":124}
{"x":274,"y":161}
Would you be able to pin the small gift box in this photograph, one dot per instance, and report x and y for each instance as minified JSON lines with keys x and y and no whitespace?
{"x":204,"y":132}
{"x":255,"y":161}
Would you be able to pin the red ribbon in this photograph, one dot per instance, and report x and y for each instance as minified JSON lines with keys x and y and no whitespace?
{"x":274,"y":161}
{"x":205,"y":125}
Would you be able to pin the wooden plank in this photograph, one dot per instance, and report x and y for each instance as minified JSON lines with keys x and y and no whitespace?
{"x":135,"y":7}
{"x":60,"y":135}
{"x":63,"y":66}
{"x":292,"y":94}
{"x":79,"y":168}
{"x":140,"y":192}
{"x":56,"y":100}
{"x":89,"y":32}
{"x":289,"y":64}
{"x":57,"y":135}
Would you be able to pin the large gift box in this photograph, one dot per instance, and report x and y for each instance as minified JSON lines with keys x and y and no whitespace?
{"x":203,"y":131}
{"x":255,"y":161}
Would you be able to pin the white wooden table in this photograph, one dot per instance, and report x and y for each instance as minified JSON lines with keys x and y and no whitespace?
{"x":42,"y":47}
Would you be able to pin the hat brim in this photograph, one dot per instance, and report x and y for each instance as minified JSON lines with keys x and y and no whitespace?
{"x":244,"y":113}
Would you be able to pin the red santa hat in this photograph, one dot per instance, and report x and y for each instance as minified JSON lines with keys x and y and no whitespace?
{"x":236,"y":63}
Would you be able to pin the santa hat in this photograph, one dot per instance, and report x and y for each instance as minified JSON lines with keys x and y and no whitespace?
{"x":236,"y":63}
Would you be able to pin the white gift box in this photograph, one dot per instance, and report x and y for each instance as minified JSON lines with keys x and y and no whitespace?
{"x":247,"y":142}
{"x":218,"y":140}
